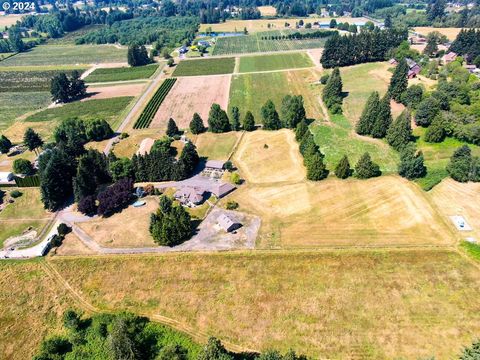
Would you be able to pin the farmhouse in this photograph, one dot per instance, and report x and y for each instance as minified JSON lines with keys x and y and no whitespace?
{"x":413,"y":68}
{"x":227,"y":223}
{"x":448,"y":58}
{"x":190,"y":196}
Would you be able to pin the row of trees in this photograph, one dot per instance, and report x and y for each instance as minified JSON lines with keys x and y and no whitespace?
{"x":368,"y":46}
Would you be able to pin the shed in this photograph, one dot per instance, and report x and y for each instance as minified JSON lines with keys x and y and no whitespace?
{"x":227,"y":223}
{"x":6,"y":177}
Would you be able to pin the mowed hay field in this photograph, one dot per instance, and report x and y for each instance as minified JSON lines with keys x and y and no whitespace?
{"x":31,"y":307}
{"x":269,"y":156}
{"x":274,"y":62}
{"x":450,"y":33}
{"x":346,"y":304}
{"x":191,"y":95}
{"x":67,"y":54}
{"x":205,"y":67}
{"x":251,"y":91}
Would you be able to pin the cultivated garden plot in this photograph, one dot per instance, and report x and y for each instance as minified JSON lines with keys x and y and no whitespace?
{"x":308,"y":300}
{"x":205,"y":67}
{"x":190,"y":95}
{"x":274,"y":62}
{"x":67,"y":54}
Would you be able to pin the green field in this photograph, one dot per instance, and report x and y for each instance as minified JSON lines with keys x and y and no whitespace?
{"x":121,"y":74}
{"x":274,"y":62}
{"x":205,"y":67}
{"x":437,"y":156}
{"x":15,"y":104}
{"x":67,"y":54}
{"x":254,"y":43}
{"x":107,"y":109}
{"x":16,"y":81}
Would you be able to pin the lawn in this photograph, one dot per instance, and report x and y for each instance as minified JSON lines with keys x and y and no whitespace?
{"x":274,"y":62}
{"x":205,"y":67}
{"x":344,"y":304}
{"x":17,"y":81}
{"x":215,"y":146}
{"x":15,"y":104}
{"x":251,"y":91}
{"x":107,"y":109}
{"x":67,"y":54}
{"x":121,"y":73}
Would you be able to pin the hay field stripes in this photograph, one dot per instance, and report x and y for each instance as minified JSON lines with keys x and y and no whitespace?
{"x":150,"y":110}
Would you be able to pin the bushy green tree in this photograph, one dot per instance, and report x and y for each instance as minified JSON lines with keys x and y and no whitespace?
{"x":411,"y":163}
{"x":172,"y":128}
{"x":23,"y":166}
{"x":332,"y":93}
{"x":343,"y":170}
{"x":426,"y":111}
{"x":383,"y":118}
{"x":369,"y":114}
{"x":32,"y":140}
{"x":400,"y":133}
{"x":235,"y":118}
{"x":293,"y":110}
{"x":5,"y":144}
{"x":218,"y":120}
{"x":399,"y":81}
{"x":196,"y":125}
{"x":366,"y":168}
{"x":248,"y":122}
{"x":271,"y":120}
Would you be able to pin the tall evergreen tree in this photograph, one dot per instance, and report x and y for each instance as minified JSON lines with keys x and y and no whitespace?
{"x":411,"y":163}
{"x":383,"y":118}
{"x":248,"y":122}
{"x":271,"y":120}
{"x":293,"y":111}
{"x":343,"y":170}
{"x":235,"y":118}
{"x":332,"y":93}
{"x":218,"y":120}
{"x":32,"y":140}
{"x":172,"y":128}
{"x":196,"y":125}
{"x":366,"y":168}
{"x":400,"y":133}
{"x":399,"y":81}
{"x":367,"y":119}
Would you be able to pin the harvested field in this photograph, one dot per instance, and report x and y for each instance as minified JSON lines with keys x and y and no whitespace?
{"x":251,"y":91}
{"x":274,"y":62}
{"x":205,"y":67}
{"x":453,"y":198}
{"x":450,"y":33}
{"x":133,"y":232}
{"x":267,"y":10}
{"x":190,"y":95}
{"x":386,"y":211}
{"x":113,"y":91}
{"x":269,"y":157}
{"x":215,"y":146}
{"x":340,"y":305}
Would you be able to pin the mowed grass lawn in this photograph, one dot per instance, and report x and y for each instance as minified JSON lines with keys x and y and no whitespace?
{"x":121,"y":73}
{"x":216,"y":146}
{"x":346,"y":304}
{"x":107,"y":109}
{"x":67,"y":54}
{"x":205,"y":67}
{"x":15,"y":104}
{"x":251,"y":91}
{"x":274,"y":62}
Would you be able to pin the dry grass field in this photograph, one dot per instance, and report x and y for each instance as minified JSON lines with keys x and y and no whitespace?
{"x":269,"y":157}
{"x":275,"y":24}
{"x":215,"y":146}
{"x":267,"y":10}
{"x":453,"y":198}
{"x":128,"y":228}
{"x":190,"y":95}
{"x":345,"y":304}
{"x":31,"y":306}
{"x":450,"y":33}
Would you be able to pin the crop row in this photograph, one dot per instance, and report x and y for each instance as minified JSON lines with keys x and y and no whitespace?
{"x":151,"y":109}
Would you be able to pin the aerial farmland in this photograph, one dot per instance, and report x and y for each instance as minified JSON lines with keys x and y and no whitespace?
{"x":239,"y":182}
